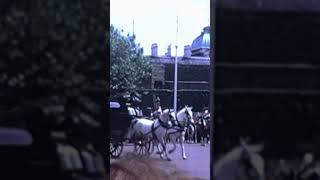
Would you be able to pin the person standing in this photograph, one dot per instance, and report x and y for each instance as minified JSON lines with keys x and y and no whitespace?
{"x":157,"y":103}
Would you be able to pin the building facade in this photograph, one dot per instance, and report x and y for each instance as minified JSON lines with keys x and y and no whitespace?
{"x":193,"y":74}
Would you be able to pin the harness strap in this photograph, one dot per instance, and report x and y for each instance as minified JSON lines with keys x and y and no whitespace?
{"x":134,"y":122}
{"x":153,"y":128}
{"x":179,"y":124}
{"x":153,"y":131}
{"x":163,"y":124}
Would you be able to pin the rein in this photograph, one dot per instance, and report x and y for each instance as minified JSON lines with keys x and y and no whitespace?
{"x":180,"y":127}
{"x":178,"y":122}
{"x":188,"y":122}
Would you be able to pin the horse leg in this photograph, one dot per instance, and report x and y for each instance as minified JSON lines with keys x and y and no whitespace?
{"x":202,"y":139}
{"x":162,"y":142}
{"x":184,"y":157}
{"x":195,"y":136}
{"x":187,"y":137}
{"x":156,"y":143}
{"x":173,"y":139}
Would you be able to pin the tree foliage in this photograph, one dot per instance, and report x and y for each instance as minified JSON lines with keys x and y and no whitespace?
{"x":128,"y":66}
{"x":53,"y":57}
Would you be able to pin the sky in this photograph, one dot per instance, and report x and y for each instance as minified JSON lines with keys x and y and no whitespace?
{"x":155,"y":21}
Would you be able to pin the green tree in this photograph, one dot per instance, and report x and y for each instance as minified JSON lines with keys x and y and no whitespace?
{"x":53,"y":58}
{"x":129,"y":68}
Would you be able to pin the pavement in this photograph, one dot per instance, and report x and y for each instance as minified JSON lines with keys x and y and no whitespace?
{"x":197,"y":163}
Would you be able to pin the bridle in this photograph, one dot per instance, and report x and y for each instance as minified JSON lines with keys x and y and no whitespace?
{"x":181,"y":126}
{"x":188,"y":117}
{"x":164,"y":124}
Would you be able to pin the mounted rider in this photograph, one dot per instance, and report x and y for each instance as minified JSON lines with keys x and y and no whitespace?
{"x":204,"y":118}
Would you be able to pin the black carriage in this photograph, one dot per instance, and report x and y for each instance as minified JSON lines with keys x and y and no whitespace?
{"x":120,"y":121}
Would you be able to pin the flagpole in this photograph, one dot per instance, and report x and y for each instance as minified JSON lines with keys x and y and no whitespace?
{"x":133,"y":26}
{"x":176,"y":73}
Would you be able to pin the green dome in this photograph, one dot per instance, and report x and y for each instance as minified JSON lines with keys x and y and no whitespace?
{"x":202,"y":41}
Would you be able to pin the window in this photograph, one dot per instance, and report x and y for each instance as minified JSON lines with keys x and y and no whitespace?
{"x":158,"y":84}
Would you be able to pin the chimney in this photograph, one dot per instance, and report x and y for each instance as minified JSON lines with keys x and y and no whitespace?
{"x":168,"y":54}
{"x":154,"y":50}
{"x":187,"y":51}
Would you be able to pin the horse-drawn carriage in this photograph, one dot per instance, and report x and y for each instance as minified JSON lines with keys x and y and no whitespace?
{"x":146,"y":132}
{"x":120,"y":121}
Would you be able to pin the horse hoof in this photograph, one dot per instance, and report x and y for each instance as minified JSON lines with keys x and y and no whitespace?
{"x":171,"y":151}
{"x":184,"y":158}
{"x":168,"y":159}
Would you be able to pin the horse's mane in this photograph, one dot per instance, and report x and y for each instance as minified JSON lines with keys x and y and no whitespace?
{"x":165,"y":112}
{"x":189,"y":109}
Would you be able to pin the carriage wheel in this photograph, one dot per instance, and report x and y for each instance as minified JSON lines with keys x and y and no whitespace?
{"x":116,"y":149}
{"x":142,"y":147}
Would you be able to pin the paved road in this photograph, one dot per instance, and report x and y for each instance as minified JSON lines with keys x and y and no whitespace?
{"x":197,"y":164}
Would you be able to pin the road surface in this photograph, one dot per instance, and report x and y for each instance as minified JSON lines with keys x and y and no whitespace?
{"x":196,"y":165}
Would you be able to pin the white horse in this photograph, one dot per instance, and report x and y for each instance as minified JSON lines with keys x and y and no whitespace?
{"x":183,"y":120}
{"x":155,"y":130}
{"x":244,"y":162}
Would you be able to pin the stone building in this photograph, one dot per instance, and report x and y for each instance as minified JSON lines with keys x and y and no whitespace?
{"x":193,"y":74}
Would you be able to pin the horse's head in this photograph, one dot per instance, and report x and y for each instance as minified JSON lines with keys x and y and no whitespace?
{"x":247,"y":159}
{"x":206,"y":116}
{"x":253,"y":161}
{"x":168,"y":117}
{"x":186,"y":115}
